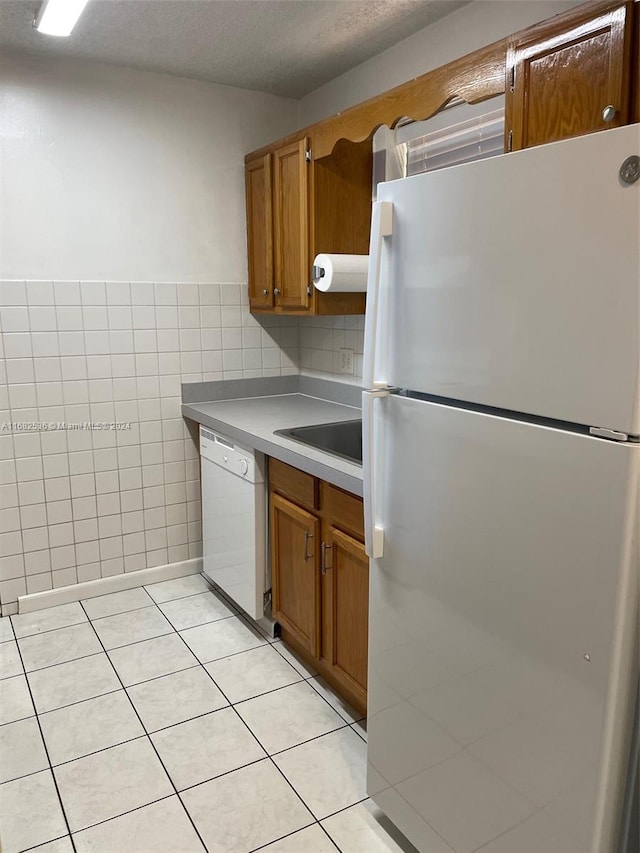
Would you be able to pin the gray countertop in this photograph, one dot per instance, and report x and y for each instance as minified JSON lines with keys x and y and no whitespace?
{"x":251,"y":422}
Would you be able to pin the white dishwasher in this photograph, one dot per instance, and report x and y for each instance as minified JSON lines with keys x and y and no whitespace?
{"x":234,"y":520}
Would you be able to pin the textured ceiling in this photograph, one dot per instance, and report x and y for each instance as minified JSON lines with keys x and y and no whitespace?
{"x":287,"y":47}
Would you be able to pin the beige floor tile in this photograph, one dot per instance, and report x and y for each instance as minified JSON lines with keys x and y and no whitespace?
{"x":110,"y":783}
{"x":162,"y":827}
{"x":175,"y":698}
{"x":206,"y":747}
{"x":245,"y":809}
{"x":289,"y":716}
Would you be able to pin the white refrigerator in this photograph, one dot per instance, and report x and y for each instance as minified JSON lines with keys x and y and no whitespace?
{"x":501,"y":418}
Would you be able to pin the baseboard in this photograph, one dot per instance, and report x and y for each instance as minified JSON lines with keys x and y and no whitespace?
{"x":103,"y":586}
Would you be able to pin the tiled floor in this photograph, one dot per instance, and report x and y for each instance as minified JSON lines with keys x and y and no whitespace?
{"x":164,"y":721}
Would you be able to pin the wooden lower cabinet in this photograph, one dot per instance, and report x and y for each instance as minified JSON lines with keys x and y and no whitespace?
{"x":345,"y":610}
{"x":294,"y":567}
{"x":320,"y":577}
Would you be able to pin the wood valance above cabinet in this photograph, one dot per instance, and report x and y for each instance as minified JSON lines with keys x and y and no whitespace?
{"x":472,"y":78}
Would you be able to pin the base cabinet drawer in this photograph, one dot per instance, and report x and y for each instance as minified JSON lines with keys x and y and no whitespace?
{"x":293,"y":484}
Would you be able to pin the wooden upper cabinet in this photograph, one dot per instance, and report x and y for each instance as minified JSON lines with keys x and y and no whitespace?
{"x":259,"y":231}
{"x":570,"y":76}
{"x":291,"y":225}
{"x":314,"y":206}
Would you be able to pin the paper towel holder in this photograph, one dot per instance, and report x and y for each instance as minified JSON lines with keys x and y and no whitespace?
{"x":340,"y":273}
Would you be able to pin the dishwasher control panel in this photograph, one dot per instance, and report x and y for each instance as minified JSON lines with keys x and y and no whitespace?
{"x":221,"y":450}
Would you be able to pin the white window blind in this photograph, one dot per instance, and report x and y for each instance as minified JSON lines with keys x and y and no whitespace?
{"x":474,"y":139}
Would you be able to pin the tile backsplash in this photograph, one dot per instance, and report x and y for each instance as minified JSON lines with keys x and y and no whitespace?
{"x":322,"y":338}
{"x":99,"y":473}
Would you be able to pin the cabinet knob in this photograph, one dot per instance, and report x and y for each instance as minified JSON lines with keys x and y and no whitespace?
{"x":608,"y":113}
{"x":276,"y":291}
{"x":265,"y":292}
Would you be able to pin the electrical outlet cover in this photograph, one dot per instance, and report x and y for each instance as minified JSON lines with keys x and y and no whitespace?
{"x":346,"y":361}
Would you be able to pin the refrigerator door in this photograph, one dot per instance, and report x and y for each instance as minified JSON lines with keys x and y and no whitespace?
{"x":514,"y":283}
{"x":503,"y":631}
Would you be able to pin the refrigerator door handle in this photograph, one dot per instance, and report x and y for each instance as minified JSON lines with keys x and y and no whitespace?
{"x":373,"y":533}
{"x":381,"y":227}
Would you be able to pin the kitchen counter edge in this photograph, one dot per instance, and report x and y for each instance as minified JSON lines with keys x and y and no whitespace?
{"x":339,"y":472}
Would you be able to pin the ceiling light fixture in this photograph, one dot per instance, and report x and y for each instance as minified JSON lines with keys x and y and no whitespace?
{"x":58,"y":17}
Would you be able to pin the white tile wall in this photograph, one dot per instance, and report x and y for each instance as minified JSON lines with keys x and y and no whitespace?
{"x":322,"y":338}
{"x":79,"y":504}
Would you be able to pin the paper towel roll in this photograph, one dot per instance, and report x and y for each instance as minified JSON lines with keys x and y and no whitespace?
{"x":341,"y":273}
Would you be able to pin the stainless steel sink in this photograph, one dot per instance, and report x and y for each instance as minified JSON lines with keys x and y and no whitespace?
{"x":343,"y":438}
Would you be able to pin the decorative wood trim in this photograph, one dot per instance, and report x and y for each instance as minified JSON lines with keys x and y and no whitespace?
{"x":474,"y":78}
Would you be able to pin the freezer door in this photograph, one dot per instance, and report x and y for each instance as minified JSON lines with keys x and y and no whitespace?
{"x":503,"y":632}
{"x":514,"y":282}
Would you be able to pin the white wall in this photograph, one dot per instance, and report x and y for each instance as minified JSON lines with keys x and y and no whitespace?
{"x":122,"y":274}
{"x":465,"y":30}
{"x":114,"y":174}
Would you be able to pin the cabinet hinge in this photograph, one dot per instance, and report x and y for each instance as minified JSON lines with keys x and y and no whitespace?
{"x":510,"y":141}
{"x":512,"y":78}
{"x":307,"y":155}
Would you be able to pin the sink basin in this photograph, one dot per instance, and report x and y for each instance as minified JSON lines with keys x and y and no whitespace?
{"x":343,"y":438}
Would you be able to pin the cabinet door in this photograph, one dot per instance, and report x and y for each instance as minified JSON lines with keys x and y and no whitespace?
{"x":259,"y":232}
{"x":346,"y":574}
{"x":570,"y":77}
{"x":295,"y":571}
{"x":291,"y":225}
